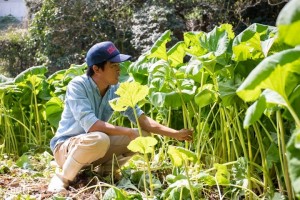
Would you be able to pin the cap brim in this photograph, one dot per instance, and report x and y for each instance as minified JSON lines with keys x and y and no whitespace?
{"x":120,"y":58}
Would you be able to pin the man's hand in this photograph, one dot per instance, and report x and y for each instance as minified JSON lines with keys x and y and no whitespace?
{"x":184,"y":134}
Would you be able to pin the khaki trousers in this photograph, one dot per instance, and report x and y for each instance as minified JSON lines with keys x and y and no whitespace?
{"x":95,"y":148}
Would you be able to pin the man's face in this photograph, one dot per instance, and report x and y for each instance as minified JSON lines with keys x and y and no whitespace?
{"x":111,"y":73}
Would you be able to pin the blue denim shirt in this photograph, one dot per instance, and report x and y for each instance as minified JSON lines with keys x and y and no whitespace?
{"x":84,"y":106}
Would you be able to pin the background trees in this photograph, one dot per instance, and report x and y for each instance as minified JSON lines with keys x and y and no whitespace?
{"x":60,"y":32}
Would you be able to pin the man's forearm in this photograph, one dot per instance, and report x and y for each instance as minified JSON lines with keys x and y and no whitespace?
{"x":110,"y":129}
{"x":151,"y":125}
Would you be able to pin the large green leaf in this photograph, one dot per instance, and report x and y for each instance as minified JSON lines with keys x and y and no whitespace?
{"x":218,"y":42}
{"x":165,"y":88}
{"x":130,"y":94}
{"x":36,"y":70}
{"x":194,"y":70}
{"x":268,"y":99}
{"x":206,"y":95}
{"x":159,"y":49}
{"x":272,"y":73}
{"x":192,"y":43}
{"x":31,"y":86}
{"x":176,"y":54}
{"x":293,"y":157}
{"x":172,"y":97}
{"x":254,"y":112}
{"x":54,"y":108}
{"x":142,"y":145}
{"x":180,"y":155}
{"x":288,"y":23}
{"x":254,"y":42}
{"x":227,"y":91}
{"x":139,"y":69}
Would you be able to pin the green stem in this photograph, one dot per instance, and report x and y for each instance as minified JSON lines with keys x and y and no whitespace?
{"x":250,"y":158}
{"x":150,"y":176}
{"x":137,"y":121}
{"x":189,"y":181}
{"x":266,"y":176}
{"x":282,"y":155}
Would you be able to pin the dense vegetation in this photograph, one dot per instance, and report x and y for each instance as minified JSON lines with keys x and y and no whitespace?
{"x":60,"y":32}
{"x":237,"y":91}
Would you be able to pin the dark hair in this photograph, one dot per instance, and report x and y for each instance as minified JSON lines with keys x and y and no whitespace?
{"x":90,"y":70}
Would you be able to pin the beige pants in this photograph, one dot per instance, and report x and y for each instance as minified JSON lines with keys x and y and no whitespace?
{"x":92,"y":148}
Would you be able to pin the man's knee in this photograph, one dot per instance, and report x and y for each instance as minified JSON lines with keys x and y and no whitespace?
{"x":98,"y":141}
{"x":92,"y":147}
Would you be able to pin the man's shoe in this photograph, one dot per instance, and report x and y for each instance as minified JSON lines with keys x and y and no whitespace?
{"x":58,"y":184}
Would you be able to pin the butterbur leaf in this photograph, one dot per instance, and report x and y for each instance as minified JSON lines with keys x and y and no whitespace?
{"x":54,"y":108}
{"x":176,"y":54}
{"x":222,"y":174}
{"x":206,"y":95}
{"x":293,"y":158}
{"x":179,"y":155}
{"x":36,"y":70}
{"x":114,"y":193}
{"x":267,"y":100}
{"x":272,"y":73}
{"x":254,"y":42}
{"x":142,"y":145}
{"x":288,"y":23}
{"x":159,"y":50}
{"x":218,"y":40}
{"x":24,"y":162}
{"x":192,"y":43}
{"x":130,"y":94}
{"x":255,"y":111}
{"x":206,"y":178}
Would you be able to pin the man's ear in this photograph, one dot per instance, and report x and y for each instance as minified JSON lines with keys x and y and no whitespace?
{"x":96,"y":68}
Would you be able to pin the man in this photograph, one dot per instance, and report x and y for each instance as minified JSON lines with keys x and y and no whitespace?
{"x":84,"y":136}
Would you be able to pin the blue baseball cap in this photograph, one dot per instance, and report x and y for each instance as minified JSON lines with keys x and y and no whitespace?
{"x":104,"y":51}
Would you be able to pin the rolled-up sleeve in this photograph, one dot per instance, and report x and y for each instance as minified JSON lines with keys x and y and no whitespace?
{"x":130,"y":114}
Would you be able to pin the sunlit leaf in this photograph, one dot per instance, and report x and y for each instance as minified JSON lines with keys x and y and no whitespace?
{"x":288,"y":23}
{"x":222,"y":174}
{"x":180,"y":155}
{"x":130,"y":94}
{"x":36,"y":70}
{"x":159,"y":50}
{"x":272,"y":73}
{"x":142,"y":145}
{"x":192,"y":43}
{"x":176,"y":54}
{"x":206,"y":178}
{"x":194,"y":70}
{"x":254,"y":42}
{"x":218,"y":42}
